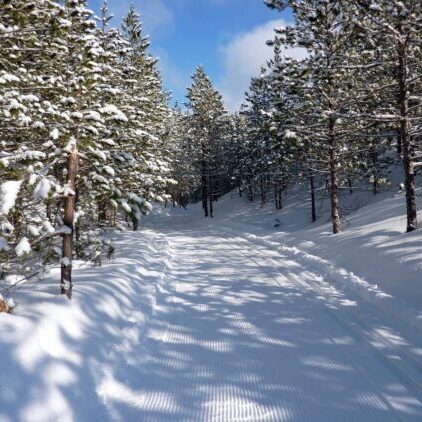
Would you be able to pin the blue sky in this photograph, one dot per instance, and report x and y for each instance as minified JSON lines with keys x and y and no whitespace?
{"x":226,"y":36}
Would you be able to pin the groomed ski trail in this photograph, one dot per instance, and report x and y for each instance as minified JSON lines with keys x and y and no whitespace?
{"x":245,"y":334}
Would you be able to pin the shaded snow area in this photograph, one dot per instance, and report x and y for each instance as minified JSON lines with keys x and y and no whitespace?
{"x":228,"y":320}
{"x":59,"y":357}
{"x":373,"y":245}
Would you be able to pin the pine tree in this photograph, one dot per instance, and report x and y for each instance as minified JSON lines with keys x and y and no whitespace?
{"x":27,"y":159}
{"x":238,"y":135}
{"x":149,"y":114}
{"x":75,"y":141}
{"x":82,"y":122}
{"x":258,"y":114}
{"x":186,"y":179}
{"x":392,"y":30}
{"x":328,"y":104}
{"x":207,"y":122}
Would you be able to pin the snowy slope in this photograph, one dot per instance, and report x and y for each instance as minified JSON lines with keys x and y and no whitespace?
{"x":244,"y":336}
{"x":373,"y":245}
{"x":373,"y":256}
{"x":55,"y":354}
{"x":227,"y":319}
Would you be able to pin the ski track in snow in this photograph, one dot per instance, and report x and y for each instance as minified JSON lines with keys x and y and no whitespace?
{"x":246,"y":334}
{"x":209,"y":324}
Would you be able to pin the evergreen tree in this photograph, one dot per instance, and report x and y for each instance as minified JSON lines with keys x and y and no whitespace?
{"x":183,"y":172}
{"x":258,"y":114}
{"x":28,"y":158}
{"x":84,"y":129}
{"x":149,"y":116}
{"x":207,"y":131}
{"x":392,"y":30}
{"x":327,"y":104}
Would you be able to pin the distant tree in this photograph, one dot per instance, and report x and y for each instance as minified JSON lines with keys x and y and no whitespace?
{"x":207,"y":122}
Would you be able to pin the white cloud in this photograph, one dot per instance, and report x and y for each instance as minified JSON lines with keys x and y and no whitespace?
{"x":243,"y":58}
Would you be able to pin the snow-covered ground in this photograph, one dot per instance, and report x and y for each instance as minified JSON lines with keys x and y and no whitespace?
{"x":56,"y":354}
{"x":228,"y":320}
{"x":374,"y":244}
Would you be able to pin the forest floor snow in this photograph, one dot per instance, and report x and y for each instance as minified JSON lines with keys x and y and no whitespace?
{"x":55,"y":354}
{"x":229,"y":320}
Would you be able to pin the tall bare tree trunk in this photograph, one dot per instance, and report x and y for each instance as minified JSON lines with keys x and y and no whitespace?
{"x":211,"y":195}
{"x":263,"y":196}
{"x":250,"y":192}
{"x":280,"y":198}
{"x":204,"y":182}
{"x":406,"y":140}
{"x":211,"y":207}
{"x":334,"y":188}
{"x":69,"y":214}
{"x":349,"y":182}
{"x":278,"y":195}
{"x":313,"y":202}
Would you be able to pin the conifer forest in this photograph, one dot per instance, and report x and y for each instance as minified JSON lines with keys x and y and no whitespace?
{"x":181,"y":258}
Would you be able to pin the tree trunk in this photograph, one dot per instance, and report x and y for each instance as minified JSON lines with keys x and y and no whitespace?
{"x":16,"y":218}
{"x":406,"y":140}
{"x":69,"y":214}
{"x":48,"y":211}
{"x":102,"y":211}
{"x":135,"y":222}
{"x":375,"y":185}
{"x":334,"y":188}
{"x":114,"y":218}
{"x":375,"y":165}
{"x":349,"y":182}
{"x":313,"y":202}
{"x":204,"y":188}
{"x":210,"y":195}
{"x":263,"y":197}
{"x":278,"y":196}
{"x":250,"y":193}
{"x":211,"y":207}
